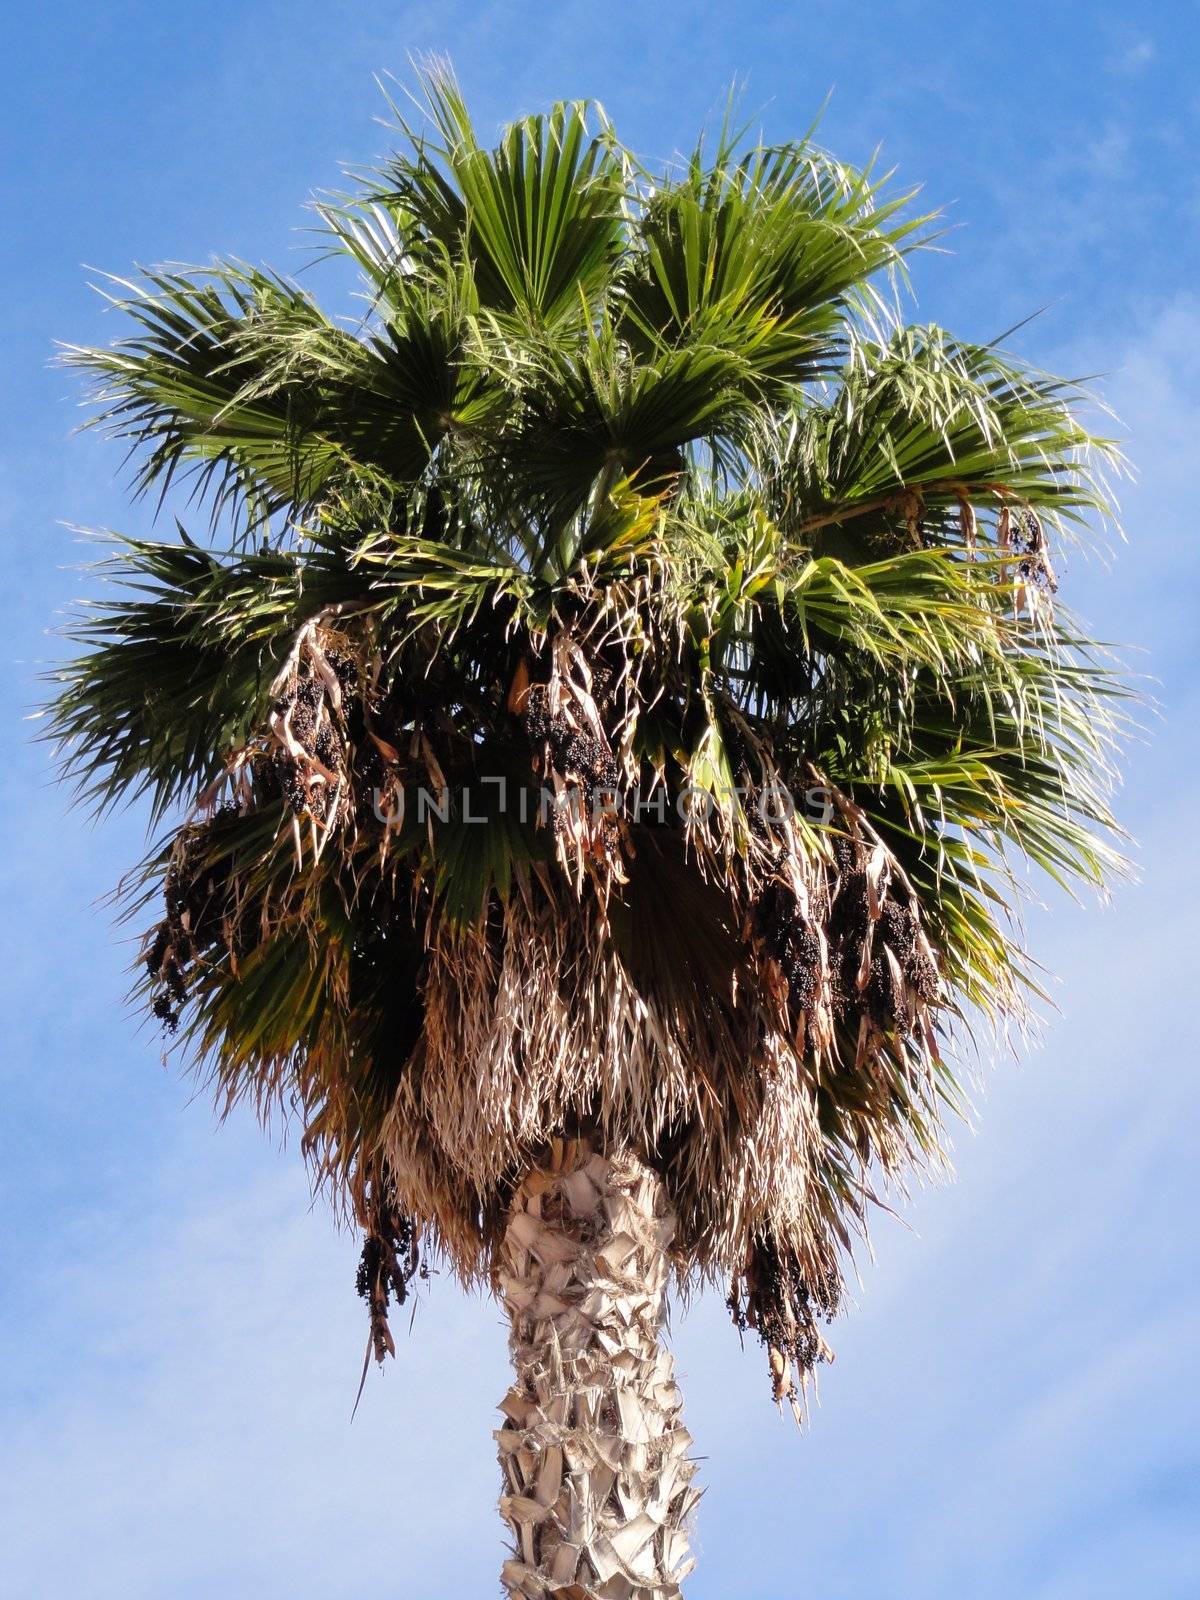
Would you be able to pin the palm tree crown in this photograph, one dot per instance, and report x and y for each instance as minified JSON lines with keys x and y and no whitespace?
{"x":625,"y":699}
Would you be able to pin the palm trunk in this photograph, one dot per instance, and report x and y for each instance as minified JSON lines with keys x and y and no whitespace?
{"x":593,"y":1450}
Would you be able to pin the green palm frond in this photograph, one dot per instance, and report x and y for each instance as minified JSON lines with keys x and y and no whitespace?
{"x":770,"y":251}
{"x":539,"y":218}
{"x":926,"y":428}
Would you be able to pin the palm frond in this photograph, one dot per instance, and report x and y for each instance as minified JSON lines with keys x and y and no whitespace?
{"x":539,"y":218}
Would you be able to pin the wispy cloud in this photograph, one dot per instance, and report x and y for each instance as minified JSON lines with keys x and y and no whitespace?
{"x":1107,"y":157}
{"x":184,"y":1427}
{"x":1135,"y":58}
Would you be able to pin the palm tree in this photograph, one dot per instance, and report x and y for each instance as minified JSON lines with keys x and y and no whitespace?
{"x":600,"y":743}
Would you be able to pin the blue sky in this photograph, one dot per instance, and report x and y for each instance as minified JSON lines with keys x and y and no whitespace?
{"x":1014,"y":1408}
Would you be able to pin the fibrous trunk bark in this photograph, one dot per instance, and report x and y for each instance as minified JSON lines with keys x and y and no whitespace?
{"x":597,"y":1479}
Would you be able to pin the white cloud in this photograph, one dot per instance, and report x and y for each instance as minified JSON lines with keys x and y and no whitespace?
{"x":183,"y":1426}
{"x":1107,"y":157}
{"x":1134,"y":60}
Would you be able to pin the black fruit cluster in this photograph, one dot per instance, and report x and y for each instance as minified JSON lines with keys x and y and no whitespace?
{"x":197,"y":896}
{"x":784,"y":1307}
{"x":320,"y":737}
{"x":388,"y":1263}
{"x":575,"y":754}
{"x":883,"y":999}
{"x":791,"y":941}
{"x":1029,"y":540}
{"x":901,"y":933}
